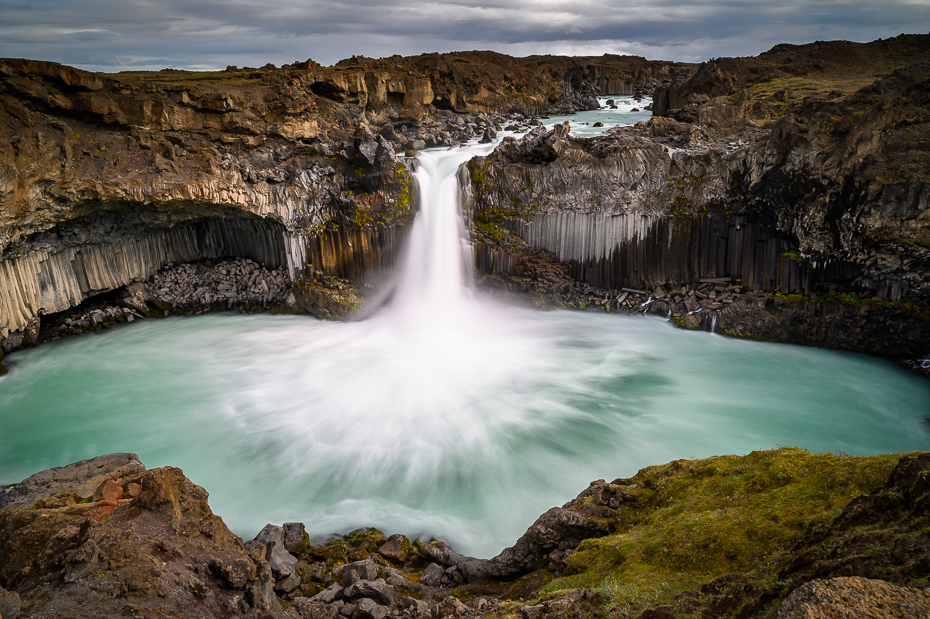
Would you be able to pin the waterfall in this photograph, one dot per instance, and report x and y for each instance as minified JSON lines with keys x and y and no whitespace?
{"x":436,"y":271}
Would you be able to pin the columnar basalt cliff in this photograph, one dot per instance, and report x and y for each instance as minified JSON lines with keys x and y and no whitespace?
{"x":104,"y":179}
{"x":798,"y":172}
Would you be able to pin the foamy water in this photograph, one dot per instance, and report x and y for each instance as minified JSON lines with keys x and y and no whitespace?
{"x":440,"y":414}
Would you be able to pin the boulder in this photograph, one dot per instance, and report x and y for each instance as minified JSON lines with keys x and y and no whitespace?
{"x":359,"y":570}
{"x":562,"y":130}
{"x":396,"y":548}
{"x":854,"y":597}
{"x":287,"y":584}
{"x":369,"y":152}
{"x":369,"y":609}
{"x":441,"y":553}
{"x":329,"y":594}
{"x":432,"y":575}
{"x":295,"y":537}
{"x":282,"y":562}
{"x":377,"y":590}
{"x":414,"y":606}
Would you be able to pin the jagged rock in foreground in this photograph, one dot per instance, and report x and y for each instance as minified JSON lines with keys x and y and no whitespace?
{"x":750,"y":536}
{"x":104,"y":537}
{"x":855,"y":597}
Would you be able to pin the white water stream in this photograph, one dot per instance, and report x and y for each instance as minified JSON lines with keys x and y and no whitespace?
{"x":440,"y":414}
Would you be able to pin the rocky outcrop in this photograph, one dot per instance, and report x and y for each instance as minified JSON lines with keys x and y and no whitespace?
{"x":854,"y":597}
{"x":107,"y":534}
{"x":105,"y":179}
{"x":92,"y":199}
{"x":106,"y":537}
{"x":826,"y":196}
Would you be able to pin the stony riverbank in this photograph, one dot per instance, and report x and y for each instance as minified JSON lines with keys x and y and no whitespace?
{"x":190,"y":289}
{"x":834,"y":317}
{"x":108,"y":537}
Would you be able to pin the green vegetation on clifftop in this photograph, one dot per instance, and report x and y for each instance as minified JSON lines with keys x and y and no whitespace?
{"x":720,"y":523}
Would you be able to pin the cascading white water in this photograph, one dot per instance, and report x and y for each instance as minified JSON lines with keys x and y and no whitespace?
{"x":440,"y":414}
{"x":436,"y":270}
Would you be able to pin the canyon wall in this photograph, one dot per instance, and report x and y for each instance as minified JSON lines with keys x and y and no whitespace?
{"x":798,"y":171}
{"x":777,"y":191}
{"x":105,"y":179}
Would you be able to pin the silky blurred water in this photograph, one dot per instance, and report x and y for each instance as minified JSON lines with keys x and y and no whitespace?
{"x":440,"y":414}
{"x":467,"y":425}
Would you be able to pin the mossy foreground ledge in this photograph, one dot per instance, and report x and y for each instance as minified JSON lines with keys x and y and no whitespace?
{"x":773,"y":533}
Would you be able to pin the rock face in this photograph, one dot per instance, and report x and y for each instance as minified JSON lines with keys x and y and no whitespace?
{"x":106,"y":179}
{"x":769,"y":191}
{"x":138,"y":543}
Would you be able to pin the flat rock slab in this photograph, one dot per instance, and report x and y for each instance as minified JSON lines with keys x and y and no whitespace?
{"x":81,"y":479}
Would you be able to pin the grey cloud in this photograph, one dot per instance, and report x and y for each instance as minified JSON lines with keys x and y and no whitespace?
{"x":105,"y":34}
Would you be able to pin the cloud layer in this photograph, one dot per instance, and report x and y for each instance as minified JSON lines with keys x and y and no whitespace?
{"x":210,"y":34}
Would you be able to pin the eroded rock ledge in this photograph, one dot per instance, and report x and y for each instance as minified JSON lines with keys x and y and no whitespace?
{"x":108,"y":535}
{"x":105,"y":179}
{"x":811,"y":197}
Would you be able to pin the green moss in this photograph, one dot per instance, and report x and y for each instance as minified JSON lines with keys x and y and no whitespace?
{"x":698,"y":520}
{"x":495,"y":203}
{"x":403,"y":199}
{"x":492,"y":229}
{"x":362,"y":217}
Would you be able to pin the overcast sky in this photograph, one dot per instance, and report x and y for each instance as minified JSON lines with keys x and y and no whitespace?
{"x":210,"y":34}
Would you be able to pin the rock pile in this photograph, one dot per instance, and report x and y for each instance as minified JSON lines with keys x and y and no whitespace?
{"x":446,"y":129}
{"x":93,"y":319}
{"x":233,"y":282}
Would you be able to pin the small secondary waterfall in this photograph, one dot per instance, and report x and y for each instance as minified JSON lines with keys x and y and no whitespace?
{"x":440,"y":414}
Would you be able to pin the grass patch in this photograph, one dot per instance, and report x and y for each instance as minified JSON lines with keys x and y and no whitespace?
{"x":233,"y":76}
{"x":698,"y":520}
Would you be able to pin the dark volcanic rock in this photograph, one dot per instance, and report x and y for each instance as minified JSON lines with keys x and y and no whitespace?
{"x":777,"y":194}
{"x":557,"y":526}
{"x":396,"y":548}
{"x":377,"y":590}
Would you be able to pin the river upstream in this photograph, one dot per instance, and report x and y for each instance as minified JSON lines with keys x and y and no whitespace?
{"x":440,"y":414}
